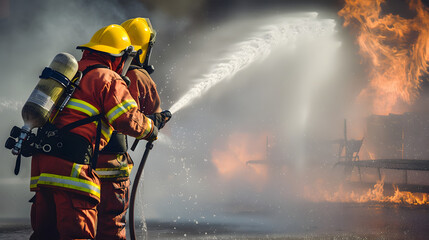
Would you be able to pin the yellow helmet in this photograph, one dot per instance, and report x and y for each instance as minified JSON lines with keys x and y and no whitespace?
{"x":112,"y":39}
{"x":142,"y":36}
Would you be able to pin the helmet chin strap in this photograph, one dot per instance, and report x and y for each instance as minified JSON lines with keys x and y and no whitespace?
{"x":148,"y":53}
{"x":136,"y":61}
{"x":126,"y":59}
{"x":149,"y":68}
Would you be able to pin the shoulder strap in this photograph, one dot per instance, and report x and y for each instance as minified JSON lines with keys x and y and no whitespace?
{"x":97,"y":144}
{"x":81,"y":122}
{"x":92,"y":67}
{"x":84,"y":121}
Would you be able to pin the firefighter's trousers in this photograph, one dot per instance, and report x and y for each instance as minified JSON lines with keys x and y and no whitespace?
{"x":112,"y":209}
{"x":59,"y":214}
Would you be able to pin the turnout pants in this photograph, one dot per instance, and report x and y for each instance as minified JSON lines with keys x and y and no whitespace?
{"x":59,"y":214}
{"x":112,"y":209}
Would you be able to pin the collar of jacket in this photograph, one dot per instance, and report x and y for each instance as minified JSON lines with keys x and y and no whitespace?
{"x":111,"y":62}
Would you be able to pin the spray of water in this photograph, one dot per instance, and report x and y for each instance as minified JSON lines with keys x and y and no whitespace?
{"x":6,"y":104}
{"x":281,"y":69}
{"x":284,"y":31}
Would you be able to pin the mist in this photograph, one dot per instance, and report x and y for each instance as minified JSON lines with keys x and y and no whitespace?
{"x":284,"y":107}
{"x":291,"y":97}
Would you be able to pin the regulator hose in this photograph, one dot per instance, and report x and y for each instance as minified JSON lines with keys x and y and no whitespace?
{"x":149,"y":146}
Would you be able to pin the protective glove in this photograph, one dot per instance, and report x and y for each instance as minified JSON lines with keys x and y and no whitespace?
{"x":160,"y":119}
{"x":153,"y":135}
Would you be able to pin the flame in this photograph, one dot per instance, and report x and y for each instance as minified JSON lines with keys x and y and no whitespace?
{"x":395,"y":48}
{"x":375,"y":194}
{"x":230,"y":160}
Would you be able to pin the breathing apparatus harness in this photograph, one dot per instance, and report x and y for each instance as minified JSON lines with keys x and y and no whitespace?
{"x":61,"y":142}
{"x":28,"y":142}
{"x":73,"y":147}
{"x":81,"y":150}
{"x":67,"y":145}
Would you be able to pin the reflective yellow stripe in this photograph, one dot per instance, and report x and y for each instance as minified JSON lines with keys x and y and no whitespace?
{"x":120,"y":109}
{"x":82,"y":106}
{"x":149,"y":123}
{"x":33,"y":182}
{"x":106,"y":130}
{"x":114,"y":172}
{"x":69,"y":182}
{"x":76,"y":170}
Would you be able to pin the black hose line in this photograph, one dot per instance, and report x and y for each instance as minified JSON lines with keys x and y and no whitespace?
{"x":149,"y":146}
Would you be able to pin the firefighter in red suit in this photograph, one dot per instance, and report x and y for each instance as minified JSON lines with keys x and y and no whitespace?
{"x":66,"y":185}
{"x":114,"y":163}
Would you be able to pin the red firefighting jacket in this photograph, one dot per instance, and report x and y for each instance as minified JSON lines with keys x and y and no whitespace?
{"x":143,"y":89}
{"x":101,"y":91}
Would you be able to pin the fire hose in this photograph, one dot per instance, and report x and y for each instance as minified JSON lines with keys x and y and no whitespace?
{"x":149,"y":146}
{"x":166,"y":116}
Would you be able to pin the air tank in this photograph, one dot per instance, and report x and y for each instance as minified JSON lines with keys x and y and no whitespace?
{"x":45,"y":96}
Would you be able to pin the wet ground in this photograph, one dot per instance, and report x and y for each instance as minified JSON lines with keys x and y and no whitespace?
{"x":303,"y":221}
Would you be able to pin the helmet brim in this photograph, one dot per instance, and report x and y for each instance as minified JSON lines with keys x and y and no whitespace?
{"x":102,"y":48}
{"x":137,"y":47}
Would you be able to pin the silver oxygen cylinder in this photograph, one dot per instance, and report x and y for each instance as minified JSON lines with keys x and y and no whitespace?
{"x":45,"y":96}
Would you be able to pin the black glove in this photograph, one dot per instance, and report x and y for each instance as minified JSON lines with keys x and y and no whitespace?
{"x":153,"y":135}
{"x":160,"y":119}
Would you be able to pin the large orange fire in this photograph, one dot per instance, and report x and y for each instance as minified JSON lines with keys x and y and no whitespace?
{"x":395,"y":49}
{"x":231,"y":156}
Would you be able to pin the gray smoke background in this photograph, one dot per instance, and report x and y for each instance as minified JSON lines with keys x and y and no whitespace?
{"x":297,"y":97}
